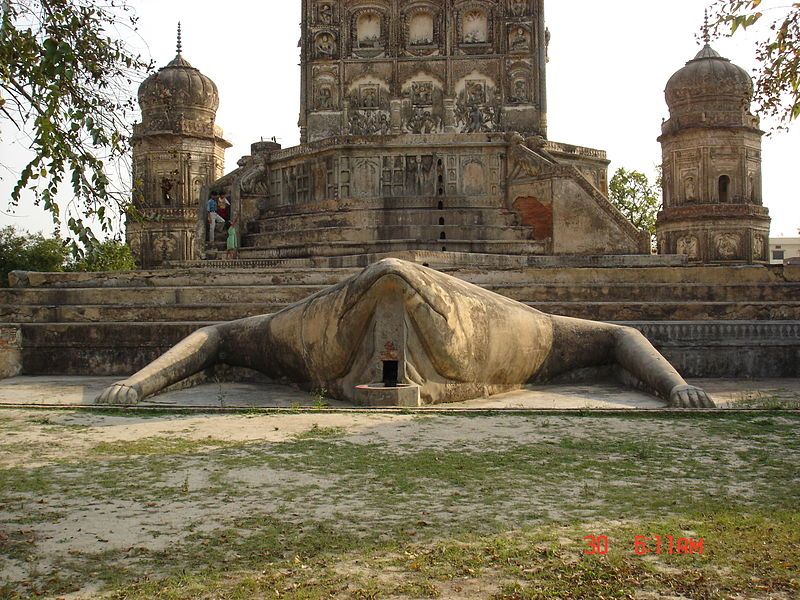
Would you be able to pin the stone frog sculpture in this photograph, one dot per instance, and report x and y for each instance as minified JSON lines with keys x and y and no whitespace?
{"x":455,"y":340}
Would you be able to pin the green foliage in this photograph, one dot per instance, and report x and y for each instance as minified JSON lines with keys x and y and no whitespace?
{"x":65,"y":82}
{"x":777,"y":90}
{"x":22,"y":251}
{"x":110,"y":255}
{"x":636,"y":198}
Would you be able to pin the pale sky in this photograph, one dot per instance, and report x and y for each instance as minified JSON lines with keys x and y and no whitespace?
{"x":609,"y":63}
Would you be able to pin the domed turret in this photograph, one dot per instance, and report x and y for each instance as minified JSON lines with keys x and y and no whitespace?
{"x":177,"y":89}
{"x":710,"y":90}
{"x":711,"y":145}
{"x":178,"y":151}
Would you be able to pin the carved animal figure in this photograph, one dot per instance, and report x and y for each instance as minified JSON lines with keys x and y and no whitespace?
{"x":455,"y":340}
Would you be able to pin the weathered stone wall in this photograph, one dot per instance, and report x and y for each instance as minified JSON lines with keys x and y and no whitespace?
{"x":10,"y":351}
{"x":425,"y":66}
{"x":465,"y":192}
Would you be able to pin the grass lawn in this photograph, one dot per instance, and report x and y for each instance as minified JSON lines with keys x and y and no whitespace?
{"x":360,"y":505}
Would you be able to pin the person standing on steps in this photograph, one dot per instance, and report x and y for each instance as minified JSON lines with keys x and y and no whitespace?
{"x":233,"y":241}
{"x":213,"y":217}
{"x":224,"y":208}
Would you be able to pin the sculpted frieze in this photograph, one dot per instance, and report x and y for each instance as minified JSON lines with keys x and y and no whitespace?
{"x":689,"y":246}
{"x":369,"y":122}
{"x":325,"y":45}
{"x":477,"y":107}
{"x":519,"y":39}
{"x":728,"y":246}
{"x":518,"y":8}
{"x":325,"y":13}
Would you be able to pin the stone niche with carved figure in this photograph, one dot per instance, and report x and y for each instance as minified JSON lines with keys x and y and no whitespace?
{"x":504,"y":42}
{"x":712,"y":207}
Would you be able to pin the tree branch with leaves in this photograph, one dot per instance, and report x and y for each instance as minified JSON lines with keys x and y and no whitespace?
{"x":636,"y":198}
{"x":777,"y":89}
{"x":66,"y":83}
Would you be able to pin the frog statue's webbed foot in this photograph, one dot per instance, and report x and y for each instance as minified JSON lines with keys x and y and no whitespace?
{"x":689,"y":396}
{"x":119,"y":394}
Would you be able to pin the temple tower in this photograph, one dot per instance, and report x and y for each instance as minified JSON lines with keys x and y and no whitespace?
{"x":713,"y":210}
{"x":380,"y":67}
{"x":177,"y":151}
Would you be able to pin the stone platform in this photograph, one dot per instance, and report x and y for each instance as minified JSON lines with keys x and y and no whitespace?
{"x":82,"y":391}
{"x":710,"y":321}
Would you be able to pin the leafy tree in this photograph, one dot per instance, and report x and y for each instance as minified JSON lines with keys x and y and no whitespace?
{"x":777,"y":90}
{"x":65,"y":82}
{"x":636,"y":198}
{"x":22,"y":251}
{"x":110,"y":255}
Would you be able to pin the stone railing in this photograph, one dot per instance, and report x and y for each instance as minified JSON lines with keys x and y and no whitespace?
{"x":579,"y":151}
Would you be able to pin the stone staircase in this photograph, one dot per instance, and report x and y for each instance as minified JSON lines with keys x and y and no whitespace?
{"x":390,"y":224}
{"x":710,"y":321}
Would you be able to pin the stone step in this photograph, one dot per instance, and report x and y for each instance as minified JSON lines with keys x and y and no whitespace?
{"x":376,"y":217}
{"x":418,"y":233}
{"x":99,"y":313}
{"x":490,"y":270}
{"x":696,"y":348}
{"x":204,"y":274}
{"x":234,"y":308}
{"x":448,"y":262}
{"x":162,"y":296}
{"x":384,"y":203}
{"x":341,"y":249}
{"x":200,"y":295}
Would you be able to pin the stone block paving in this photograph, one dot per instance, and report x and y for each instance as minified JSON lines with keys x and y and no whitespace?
{"x":82,"y":391}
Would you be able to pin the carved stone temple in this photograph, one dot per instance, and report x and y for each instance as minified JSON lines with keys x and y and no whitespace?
{"x":423,"y":127}
{"x":424,"y":138}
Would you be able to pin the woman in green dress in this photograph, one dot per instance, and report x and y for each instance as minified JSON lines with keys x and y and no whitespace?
{"x":233,"y":240}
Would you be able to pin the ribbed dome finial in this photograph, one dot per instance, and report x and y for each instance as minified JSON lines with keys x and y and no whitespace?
{"x":706,"y":30}
{"x":180,"y":41}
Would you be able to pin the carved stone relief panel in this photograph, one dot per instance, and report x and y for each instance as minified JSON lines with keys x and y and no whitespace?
{"x":690,"y":186}
{"x":423,"y":105}
{"x":326,"y":45}
{"x":326,"y":88}
{"x":166,"y":246}
{"x":518,"y":8}
{"x":452,"y":174}
{"x":325,"y":13}
{"x":478,"y":107}
{"x":666,"y":171}
{"x":689,"y":246}
{"x":366,"y":177}
{"x":728,"y":246}
{"x":519,"y":83}
{"x":475,"y":27}
{"x":759,"y":247}
{"x":473,"y":177}
{"x":519,"y":39}
{"x":368,"y":107}
{"x":420,"y":175}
